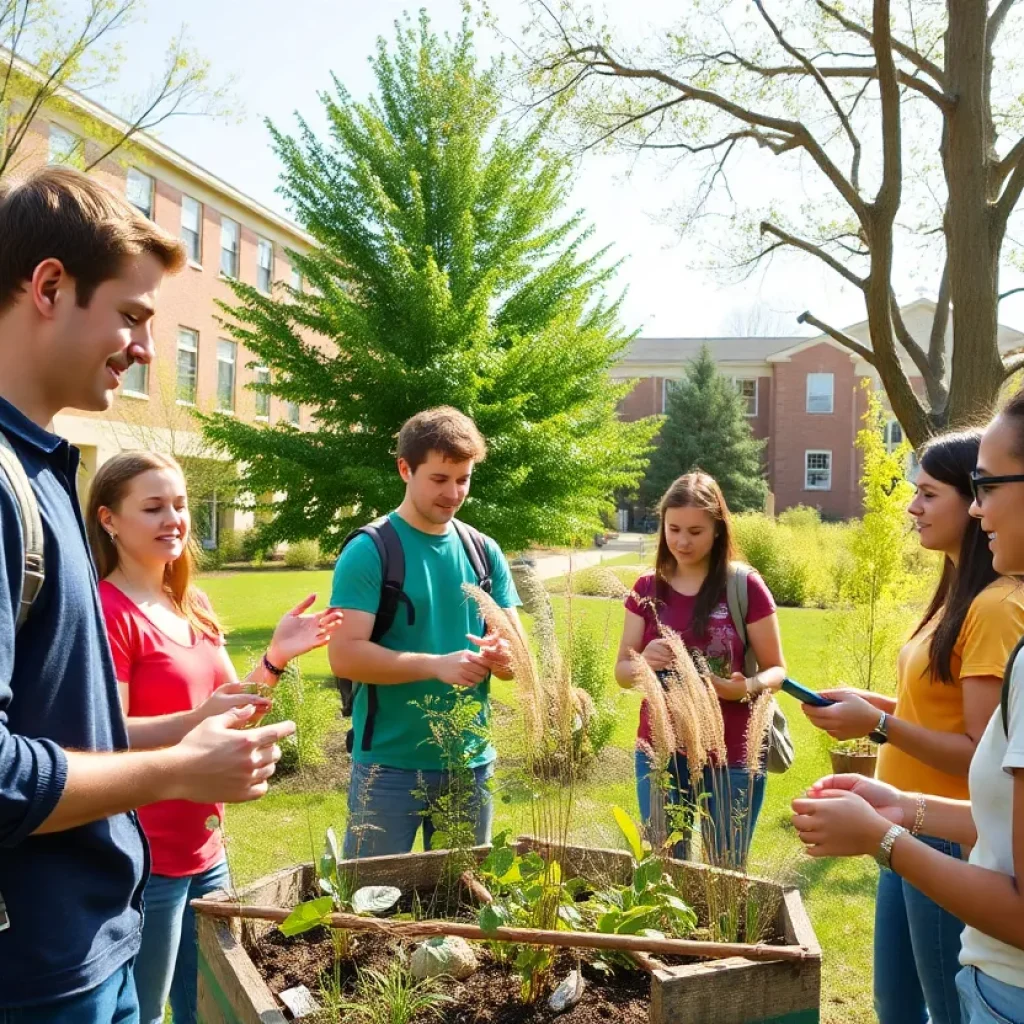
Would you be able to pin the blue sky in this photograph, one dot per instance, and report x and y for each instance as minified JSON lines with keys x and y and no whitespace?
{"x":282,"y":54}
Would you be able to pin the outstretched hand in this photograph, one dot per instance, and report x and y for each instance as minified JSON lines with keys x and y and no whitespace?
{"x":495,"y":652}
{"x":298,"y":633}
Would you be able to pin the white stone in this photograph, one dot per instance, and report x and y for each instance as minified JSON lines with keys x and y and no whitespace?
{"x":568,"y":993}
{"x":443,"y":955}
{"x":300,"y":1001}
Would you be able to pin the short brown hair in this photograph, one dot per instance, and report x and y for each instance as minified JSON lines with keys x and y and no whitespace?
{"x":444,"y":430}
{"x":61,"y":214}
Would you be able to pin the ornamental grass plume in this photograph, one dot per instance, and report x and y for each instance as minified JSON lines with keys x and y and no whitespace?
{"x":761,"y":714}
{"x":663,"y":735}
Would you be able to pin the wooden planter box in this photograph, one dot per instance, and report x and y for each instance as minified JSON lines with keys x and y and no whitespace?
{"x":734,"y":991}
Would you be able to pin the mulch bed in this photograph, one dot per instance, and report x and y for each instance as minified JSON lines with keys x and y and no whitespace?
{"x":490,"y":996}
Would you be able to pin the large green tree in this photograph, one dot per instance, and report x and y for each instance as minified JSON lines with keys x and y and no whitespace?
{"x":706,"y":428}
{"x":443,"y":272}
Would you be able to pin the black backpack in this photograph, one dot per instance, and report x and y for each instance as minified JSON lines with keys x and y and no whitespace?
{"x":392,"y":595}
{"x":1004,"y":699}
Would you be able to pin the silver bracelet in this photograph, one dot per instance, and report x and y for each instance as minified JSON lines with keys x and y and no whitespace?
{"x":884,"y":854}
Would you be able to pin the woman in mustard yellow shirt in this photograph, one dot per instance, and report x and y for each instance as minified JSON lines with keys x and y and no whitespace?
{"x":949,"y":677}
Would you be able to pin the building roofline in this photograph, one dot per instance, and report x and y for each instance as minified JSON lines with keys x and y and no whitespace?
{"x":164,"y":152}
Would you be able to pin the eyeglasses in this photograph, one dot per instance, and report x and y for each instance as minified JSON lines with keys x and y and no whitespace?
{"x":980,"y":483}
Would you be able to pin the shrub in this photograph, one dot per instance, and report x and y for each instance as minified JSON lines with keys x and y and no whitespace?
{"x":313,"y":707}
{"x":229,"y":546}
{"x":768,"y":547}
{"x":589,"y":667}
{"x":252,"y":547}
{"x":302,"y":554}
{"x":598,"y":580}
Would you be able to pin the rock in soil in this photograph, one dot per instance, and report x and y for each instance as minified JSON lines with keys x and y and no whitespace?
{"x":448,"y":955}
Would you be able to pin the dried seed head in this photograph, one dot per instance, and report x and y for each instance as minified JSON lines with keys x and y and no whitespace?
{"x":760,"y":722}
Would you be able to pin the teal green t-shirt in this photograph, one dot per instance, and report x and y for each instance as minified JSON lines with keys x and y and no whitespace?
{"x":436,"y":566}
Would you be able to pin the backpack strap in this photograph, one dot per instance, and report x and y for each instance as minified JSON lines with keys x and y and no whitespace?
{"x":392,"y":580}
{"x":33,"y":539}
{"x":1004,"y":700}
{"x":476,"y":551}
{"x":738,"y":599}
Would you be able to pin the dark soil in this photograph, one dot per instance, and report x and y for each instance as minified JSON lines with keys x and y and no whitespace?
{"x":490,"y":996}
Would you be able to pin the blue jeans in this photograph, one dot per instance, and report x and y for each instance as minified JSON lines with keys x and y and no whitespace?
{"x":917,"y":952}
{"x":111,"y":1002}
{"x":168,"y":963}
{"x":386,"y":807}
{"x":985,"y":1000}
{"x":729,"y":810}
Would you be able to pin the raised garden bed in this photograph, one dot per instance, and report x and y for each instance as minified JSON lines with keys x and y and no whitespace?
{"x":234,"y":990}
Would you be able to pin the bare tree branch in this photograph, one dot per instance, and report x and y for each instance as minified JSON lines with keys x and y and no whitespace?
{"x":906,"y":339}
{"x":823,"y":85}
{"x":890,"y":191}
{"x":1005,"y":204}
{"x":920,"y":62}
{"x":940,"y":324}
{"x":1005,"y":166}
{"x":1013,"y":364}
{"x":602,"y":62}
{"x":767,"y":228}
{"x":995,"y":21}
{"x":833,"y":332}
{"x":1007,"y":294}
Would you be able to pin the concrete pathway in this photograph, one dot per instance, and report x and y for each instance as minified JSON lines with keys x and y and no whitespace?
{"x":550,"y":565}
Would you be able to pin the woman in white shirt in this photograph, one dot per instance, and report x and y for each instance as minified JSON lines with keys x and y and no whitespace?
{"x":846,"y":815}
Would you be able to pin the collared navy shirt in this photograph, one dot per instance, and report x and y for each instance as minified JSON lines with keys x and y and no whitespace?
{"x":74,"y":898}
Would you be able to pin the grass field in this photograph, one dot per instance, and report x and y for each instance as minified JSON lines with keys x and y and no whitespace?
{"x":288,"y":825}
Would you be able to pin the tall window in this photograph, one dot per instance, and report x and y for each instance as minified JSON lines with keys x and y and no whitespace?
{"x":264,"y":264}
{"x":136,"y":380}
{"x":296,"y":279}
{"x":818,"y":471}
{"x":821,"y":392}
{"x":65,"y":147}
{"x":893,"y":435}
{"x":192,"y":228}
{"x":292,"y":409}
{"x":227,"y":352}
{"x":229,"y":235}
{"x":748,"y":392}
{"x":188,"y":364}
{"x":262,"y":376}
{"x":140,"y":191}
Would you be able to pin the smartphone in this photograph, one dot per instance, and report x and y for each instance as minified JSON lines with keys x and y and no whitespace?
{"x":805,"y":696}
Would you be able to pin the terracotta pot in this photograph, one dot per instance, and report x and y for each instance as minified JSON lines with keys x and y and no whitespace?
{"x":845,"y":763}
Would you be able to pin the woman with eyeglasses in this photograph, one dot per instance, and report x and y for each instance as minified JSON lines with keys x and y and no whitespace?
{"x":846,"y":815}
{"x":948,"y":678}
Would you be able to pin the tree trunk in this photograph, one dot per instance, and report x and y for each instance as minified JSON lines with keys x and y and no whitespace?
{"x":974,"y":242}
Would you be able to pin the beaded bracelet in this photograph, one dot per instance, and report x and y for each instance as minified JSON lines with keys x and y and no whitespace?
{"x":272,"y":669}
{"x":919,"y":816}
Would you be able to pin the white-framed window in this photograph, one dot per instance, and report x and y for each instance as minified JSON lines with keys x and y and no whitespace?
{"x":136,"y":380}
{"x":192,"y":228}
{"x":188,"y":365}
{"x":264,"y":264}
{"x":140,"y":191}
{"x":818,"y":470}
{"x":747,"y":388}
{"x":227,"y":354}
{"x":292,"y":412}
{"x":262,"y":376}
{"x":65,"y":147}
{"x":208,"y":516}
{"x":821,"y":392}
{"x":230,"y":234}
{"x":296,"y":280}
{"x":893,"y":435}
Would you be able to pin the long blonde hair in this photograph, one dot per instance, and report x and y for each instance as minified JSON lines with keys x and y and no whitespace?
{"x":108,"y":491}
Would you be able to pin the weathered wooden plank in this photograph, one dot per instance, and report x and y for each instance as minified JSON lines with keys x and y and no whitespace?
{"x":734,"y":992}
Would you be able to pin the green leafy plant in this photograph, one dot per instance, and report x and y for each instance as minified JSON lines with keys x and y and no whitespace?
{"x":313,"y":708}
{"x":392,"y":996}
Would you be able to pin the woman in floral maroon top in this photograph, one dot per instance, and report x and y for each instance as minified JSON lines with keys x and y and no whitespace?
{"x":687,"y":593}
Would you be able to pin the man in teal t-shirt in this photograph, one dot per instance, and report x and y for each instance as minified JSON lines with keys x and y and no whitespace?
{"x":399,"y":772}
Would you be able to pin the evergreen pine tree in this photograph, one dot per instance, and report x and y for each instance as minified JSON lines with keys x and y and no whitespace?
{"x":706,"y":428}
{"x":443,"y":273}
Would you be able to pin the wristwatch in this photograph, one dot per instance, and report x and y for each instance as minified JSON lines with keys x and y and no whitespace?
{"x":881,"y":733}
{"x":884,"y":852}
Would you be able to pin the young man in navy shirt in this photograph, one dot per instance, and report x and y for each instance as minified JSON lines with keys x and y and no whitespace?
{"x":80,"y":271}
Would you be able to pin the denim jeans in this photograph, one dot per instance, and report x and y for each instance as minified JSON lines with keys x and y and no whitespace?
{"x":386,"y":807}
{"x":168,"y":963}
{"x":917,"y":952}
{"x":729,"y":809}
{"x":111,"y":1002}
{"x":985,"y":1000}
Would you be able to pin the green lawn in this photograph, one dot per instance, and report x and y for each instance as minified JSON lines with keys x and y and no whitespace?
{"x":287,"y":826}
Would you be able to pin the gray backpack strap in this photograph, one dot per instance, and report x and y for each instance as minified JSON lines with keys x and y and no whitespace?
{"x":739,"y":601}
{"x":34,"y":571}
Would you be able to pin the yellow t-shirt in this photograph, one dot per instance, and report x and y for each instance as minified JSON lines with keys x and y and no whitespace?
{"x":992,"y":627}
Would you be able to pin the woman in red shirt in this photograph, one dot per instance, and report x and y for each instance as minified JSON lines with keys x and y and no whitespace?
{"x":173,"y":671}
{"x":687,"y":593}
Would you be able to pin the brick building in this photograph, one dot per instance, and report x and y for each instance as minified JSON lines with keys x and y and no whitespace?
{"x":802,"y":398}
{"x":198,"y":365}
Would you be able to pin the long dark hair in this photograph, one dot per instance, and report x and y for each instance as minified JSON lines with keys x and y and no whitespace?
{"x":698,"y":490}
{"x":950,"y":459}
